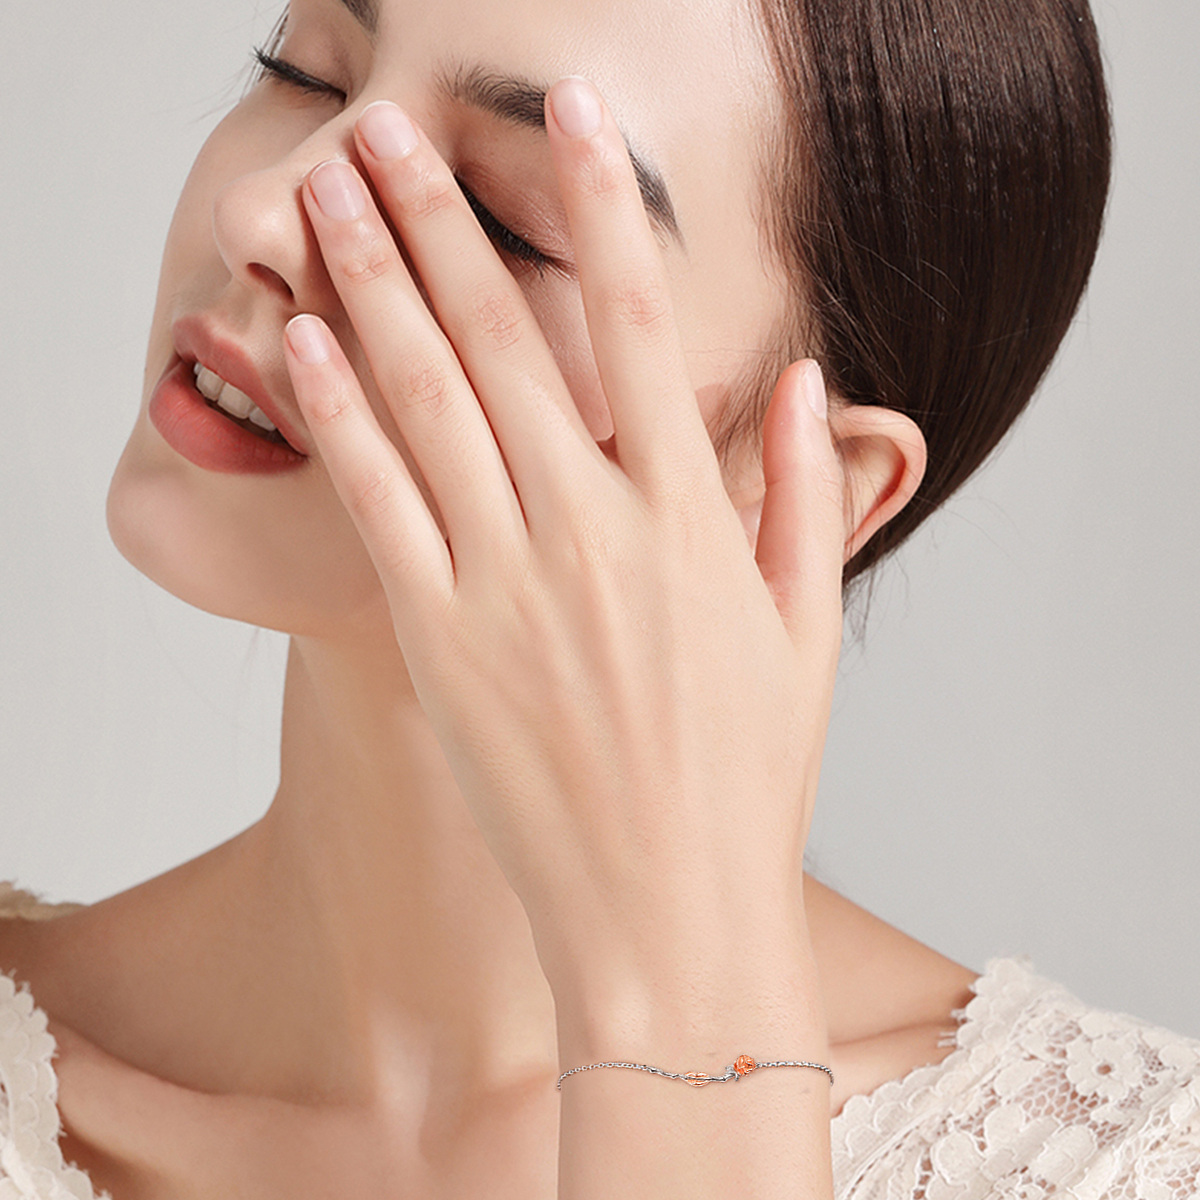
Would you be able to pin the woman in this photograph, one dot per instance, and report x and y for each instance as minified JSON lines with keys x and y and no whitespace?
{"x":562,"y":643}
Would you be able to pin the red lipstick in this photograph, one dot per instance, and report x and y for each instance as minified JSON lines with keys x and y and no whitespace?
{"x":203,"y":433}
{"x":204,"y":436}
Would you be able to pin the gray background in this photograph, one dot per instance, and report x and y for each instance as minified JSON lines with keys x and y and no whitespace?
{"x":1013,"y":762}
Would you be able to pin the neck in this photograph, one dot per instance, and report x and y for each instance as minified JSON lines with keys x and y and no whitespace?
{"x":414,"y":927}
{"x":362,"y":933}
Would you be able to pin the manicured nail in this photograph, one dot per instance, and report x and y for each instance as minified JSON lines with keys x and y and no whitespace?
{"x":387,"y":131}
{"x":814,"y":390}
{"x":338,"y":191}
{"x":576,"y":107}
{"x":308,"y":340}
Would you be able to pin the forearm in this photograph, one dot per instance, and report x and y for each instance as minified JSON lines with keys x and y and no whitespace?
{"x":638,"y":1136}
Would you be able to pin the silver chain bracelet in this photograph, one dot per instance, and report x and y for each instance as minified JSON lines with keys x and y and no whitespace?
{"x":743,"y":1066}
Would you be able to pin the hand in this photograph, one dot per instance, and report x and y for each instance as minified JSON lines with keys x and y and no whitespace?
{"x":633,"y":702}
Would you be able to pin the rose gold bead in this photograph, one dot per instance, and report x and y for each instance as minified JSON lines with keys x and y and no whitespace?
{"x":745,"y":1064}
{"x":697,"y":1079}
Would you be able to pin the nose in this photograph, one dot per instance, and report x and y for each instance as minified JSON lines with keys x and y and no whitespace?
{"x":259,"y":226}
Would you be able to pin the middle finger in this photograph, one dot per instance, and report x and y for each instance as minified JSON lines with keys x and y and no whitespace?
{"x":481,"y":306}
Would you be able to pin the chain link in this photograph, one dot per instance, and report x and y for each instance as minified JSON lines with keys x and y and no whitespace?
{"x":697,"y":1078}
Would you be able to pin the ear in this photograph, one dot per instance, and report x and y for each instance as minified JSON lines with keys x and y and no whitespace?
{"x":883,"y":455}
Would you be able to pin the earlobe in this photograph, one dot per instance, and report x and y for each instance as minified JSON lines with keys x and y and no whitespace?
{"x":883,"y":454}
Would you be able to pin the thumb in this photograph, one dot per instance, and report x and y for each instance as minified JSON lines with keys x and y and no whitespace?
{"x":801,"y":533}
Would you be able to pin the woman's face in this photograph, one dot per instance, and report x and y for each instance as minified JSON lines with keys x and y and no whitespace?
{"x":239,"y":525}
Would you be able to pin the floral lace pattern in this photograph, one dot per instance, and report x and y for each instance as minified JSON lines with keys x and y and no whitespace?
{"x":31,"y":1164}
{"x":1041,"y":1096}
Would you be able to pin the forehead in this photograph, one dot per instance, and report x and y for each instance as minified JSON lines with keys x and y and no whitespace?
{"x":680,"y":75}
{"x":679,"y":45}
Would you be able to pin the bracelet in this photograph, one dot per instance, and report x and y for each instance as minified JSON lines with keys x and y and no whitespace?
{"x":743,"y":1066}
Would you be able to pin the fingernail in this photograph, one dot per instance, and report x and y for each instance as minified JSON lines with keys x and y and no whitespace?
{"x":814,"y":390}
{"x":576,"y":107}
{"x":389,"y":134}
{"x":307,"y":338}
{"x":338,"y":191}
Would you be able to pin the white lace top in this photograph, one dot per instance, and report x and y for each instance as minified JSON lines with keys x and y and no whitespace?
{"x":1042,"y":1096}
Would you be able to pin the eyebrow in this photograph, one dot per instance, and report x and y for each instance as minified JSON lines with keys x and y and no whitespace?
{"x":523,"y":102}
{"x":366,"y":13}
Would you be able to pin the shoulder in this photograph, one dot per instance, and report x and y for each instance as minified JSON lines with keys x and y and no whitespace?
{"x":1043,"y":1094}
{"x":31,"y":1163}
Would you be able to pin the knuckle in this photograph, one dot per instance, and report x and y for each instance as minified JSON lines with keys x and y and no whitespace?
{"x":327,"y":409}
{"x":426,"y":194}
{"x":366,"y":262}
{"x":599,"y":176}
{"x":588,"y":544}
{"x":590,"y":547}
{"x":373,"y":494}
{"x":422,"y":385}
{"x":637,"y":303}
{"x":499,"y":319}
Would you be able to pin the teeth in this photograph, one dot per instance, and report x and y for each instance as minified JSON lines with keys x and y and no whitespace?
{"x":232,"y":400}
{"x":208,"y":383}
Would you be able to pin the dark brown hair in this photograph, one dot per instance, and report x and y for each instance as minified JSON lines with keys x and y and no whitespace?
{"x":935,"y":192}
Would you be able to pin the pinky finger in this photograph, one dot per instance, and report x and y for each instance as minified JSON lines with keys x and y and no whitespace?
{"x":368,"y":473}
{"x":801,"y":535}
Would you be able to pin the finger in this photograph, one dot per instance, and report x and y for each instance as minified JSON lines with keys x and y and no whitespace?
{"x":368,"y":472}
{"x":419,"y":377}
{"x":660,"y":434}
{"x":801,"y":532}
{"x":480,"y":306}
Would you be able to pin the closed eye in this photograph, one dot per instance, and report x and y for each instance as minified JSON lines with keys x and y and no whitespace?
{"x":286,"y":72}
{"x":502,"y":237}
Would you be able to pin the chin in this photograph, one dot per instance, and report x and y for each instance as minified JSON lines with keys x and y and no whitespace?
{"x":274,"y":551}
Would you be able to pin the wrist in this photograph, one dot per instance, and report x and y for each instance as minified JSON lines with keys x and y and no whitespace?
{"x":598,"y":945}
{"x":701,"y":1004}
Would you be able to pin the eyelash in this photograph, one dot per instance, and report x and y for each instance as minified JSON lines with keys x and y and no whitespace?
{"x":285,"y":72}
{"x":500,"y":235}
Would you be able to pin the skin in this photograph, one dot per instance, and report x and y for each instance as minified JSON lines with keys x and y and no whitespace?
{"x":375,"y":986}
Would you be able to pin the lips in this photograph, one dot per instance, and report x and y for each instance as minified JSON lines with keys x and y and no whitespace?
{"x":199,"y":341}
{"x":212,"y":432}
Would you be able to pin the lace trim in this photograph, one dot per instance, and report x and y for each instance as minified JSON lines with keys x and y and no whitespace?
{"x":31,"y":1163}
{"x":1003,"y":992}
{"x":1043,"y":1096}
{"x":16,"y":903}
{"x":1006,"y":987}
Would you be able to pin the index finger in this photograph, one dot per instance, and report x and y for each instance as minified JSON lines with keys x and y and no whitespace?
{"x":660,"y":433}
